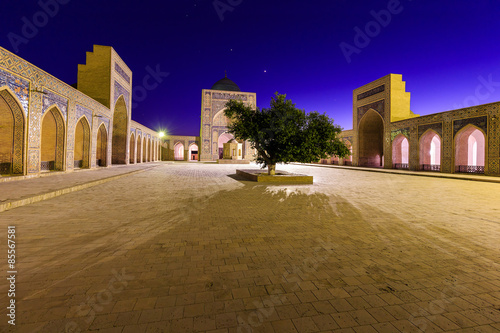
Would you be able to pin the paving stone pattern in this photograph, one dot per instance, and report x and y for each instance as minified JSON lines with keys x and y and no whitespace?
{"x":190,"y":247}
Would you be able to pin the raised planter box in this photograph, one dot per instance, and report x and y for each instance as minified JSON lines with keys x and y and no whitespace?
{"x":227,"y":161}
{"x":281,"y":177}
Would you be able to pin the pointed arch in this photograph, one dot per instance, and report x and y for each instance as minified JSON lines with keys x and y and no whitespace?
{"x":400,"y":152}
{"x":223,"y":138}
{"x":430,"y":151}
{"x":193,"y":152}
{"x":132,"y":149}
{"x":179,"y":151}
{"x":138,"y":156}
{"x":119,"y":139}
{"x":101,"y":155}
{"x":144,"y":149}
{"x":53,"y":136}
{"x":220,"y":119}
{"x":150,"y":152}
{"x":12,"y":133}
{"x":82,"y":143}
{"x":371,"y":139}
{"x":470,"y":150}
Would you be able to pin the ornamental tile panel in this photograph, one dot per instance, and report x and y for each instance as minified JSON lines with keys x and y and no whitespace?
{"x":50,"y":99}
{"x":404,"y":131}
{"x":480,"y":122}
{"x":120,"y":90}
{"x":104,"y":121}
{"x":228,"y":96}
{"x":19,"y":86}
{"x":378,"y":106}
{"x":436,"y":127}
{"x":81,"y":110}
{"x":371,"y":92}
{"x":122,"y":73}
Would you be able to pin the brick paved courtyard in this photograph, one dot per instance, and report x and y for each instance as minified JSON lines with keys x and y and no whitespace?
{"x":189,"y":247}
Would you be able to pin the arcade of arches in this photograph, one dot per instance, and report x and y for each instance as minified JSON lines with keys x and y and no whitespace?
{"x":388,"y":134}
{"x":91,"y":126}
{"x":83,"y":128}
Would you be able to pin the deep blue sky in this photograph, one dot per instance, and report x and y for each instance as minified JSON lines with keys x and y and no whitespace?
{"x":444,"y":49}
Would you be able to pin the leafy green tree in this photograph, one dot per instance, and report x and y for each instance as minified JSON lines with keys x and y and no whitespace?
{"x":283,"y":133}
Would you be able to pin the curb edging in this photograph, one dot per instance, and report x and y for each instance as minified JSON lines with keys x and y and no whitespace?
{"x":408,"y":173}
{"x":46,"y":196}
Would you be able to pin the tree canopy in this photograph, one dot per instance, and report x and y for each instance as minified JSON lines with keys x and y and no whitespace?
{"x":283,"y":133}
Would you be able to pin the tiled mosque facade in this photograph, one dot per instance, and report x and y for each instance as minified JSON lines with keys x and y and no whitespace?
{"x":213,"y":130}
{"x":214,"y":122}
{"x":387,"y":134}
{"x":46,"y":124}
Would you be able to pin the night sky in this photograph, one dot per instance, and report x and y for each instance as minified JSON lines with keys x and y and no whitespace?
{"x":448,"y":51}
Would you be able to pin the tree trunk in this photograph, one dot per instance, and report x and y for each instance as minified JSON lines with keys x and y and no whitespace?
{"x":271,"y":169}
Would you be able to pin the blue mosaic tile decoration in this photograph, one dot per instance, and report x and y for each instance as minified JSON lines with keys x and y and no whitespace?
{"x":371,"y":92}
{"x":81,"y":110}
{"x":228,"y":96}
{"x":480,"y":122}
{"x":377,"y":106}
{"x":105,"y":121}
{"x":19,"y":86}
{"x":119,"y":90}
{"x":437,"y":127}
{"x":122,"y":73}
{"x":50,"y":99}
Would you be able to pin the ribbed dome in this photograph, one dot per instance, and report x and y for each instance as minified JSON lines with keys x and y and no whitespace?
{"x":225,"y":84}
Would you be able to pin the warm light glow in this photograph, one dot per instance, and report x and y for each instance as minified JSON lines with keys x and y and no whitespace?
{"x":433,"y":152}
{"x":476,"y":148}
{"x":179,"y":152}
{"x":472,"y":160}
{"x":405,"y":148}
{"x":161,"y":134}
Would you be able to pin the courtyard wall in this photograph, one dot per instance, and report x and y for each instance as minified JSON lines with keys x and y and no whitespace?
{"x":48,"y":125}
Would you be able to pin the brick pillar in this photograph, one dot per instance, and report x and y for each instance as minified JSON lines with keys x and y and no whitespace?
{"x":447,"y":162}
{"x":414,"y":163}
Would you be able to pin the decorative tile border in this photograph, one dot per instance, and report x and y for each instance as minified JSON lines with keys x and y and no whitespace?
{"x":19,"y":86}
{"x":50,"y":98}
{"x":81,"y":110}
{"x":120,"y":90}
{"x":371,"y":92}
{"x":122,"y":73}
